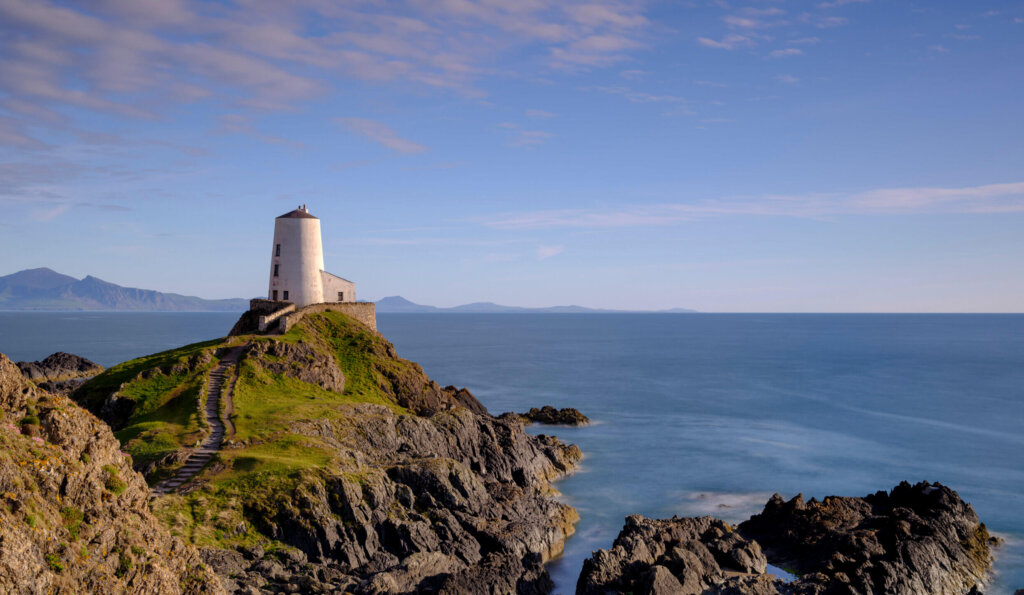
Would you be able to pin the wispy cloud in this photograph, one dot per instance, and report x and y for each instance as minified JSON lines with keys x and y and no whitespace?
{"x":539,"y":113}
{"x":635,"y":96}
{"x":545,"y":252}
{"x":837,"y":3}
{"x":270,"y":55}
{"x":987,"y":199}
{"x":729,"y":42}
{"x":381,"y":134}
{"x":239,"y":124}
{"x":788,"y":79}
{"x":531,"y":138}
{"x":785,"y":53}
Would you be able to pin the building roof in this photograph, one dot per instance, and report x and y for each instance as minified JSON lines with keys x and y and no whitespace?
{"x":337,"y":277}
{"x":299,"y":213}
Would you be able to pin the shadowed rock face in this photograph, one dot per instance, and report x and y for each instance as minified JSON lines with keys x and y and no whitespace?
{"x":915,"y":539}
{"x":920,"y":539}
{"x":60,"y":372}
{"x":74,"y":517}
{"x":448,"y":503}
{"x":547,"y":414}
{"x":677,"y":555}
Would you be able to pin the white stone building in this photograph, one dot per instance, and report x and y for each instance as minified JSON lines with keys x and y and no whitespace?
{"x":297,"y":272}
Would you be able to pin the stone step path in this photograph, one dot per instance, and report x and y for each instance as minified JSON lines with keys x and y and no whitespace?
{"x":224,"y":374}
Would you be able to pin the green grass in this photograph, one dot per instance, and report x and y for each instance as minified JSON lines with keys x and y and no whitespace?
{"x":175,"y":423}
{"x":72,"y":520}
{"x":53,"y":560}
{"x":95,"y":391}
{"x":113,"y":481}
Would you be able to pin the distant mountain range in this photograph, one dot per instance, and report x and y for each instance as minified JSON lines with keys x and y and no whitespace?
{"x":45,"y":289}
{"x":397,"y":304}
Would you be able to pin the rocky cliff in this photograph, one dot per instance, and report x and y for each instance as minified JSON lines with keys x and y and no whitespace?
{"x":74,"y":516}
{"x":350,"y":469}
{"x":915,"y":540}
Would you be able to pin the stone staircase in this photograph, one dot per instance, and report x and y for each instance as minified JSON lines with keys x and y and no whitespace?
{"x":224,"y":373}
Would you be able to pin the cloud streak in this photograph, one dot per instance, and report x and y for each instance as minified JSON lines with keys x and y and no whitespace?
{"x":382,"y":135}
{"x":987,"y":199}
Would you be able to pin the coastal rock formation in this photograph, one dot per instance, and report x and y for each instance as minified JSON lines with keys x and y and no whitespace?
{"x":60,"y":372}
{"x":74,"y":517}
{"x":350,"y":470}
{"x":448,"y":499}
{"x":677,"y":555}
{"x":915,"y":540}
{"x":547,"y":414}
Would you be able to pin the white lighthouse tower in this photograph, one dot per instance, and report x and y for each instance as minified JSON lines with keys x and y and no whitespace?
{"x":297,"y":264}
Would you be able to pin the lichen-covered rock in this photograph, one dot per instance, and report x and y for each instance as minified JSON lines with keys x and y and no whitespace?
{"x":919,"y":538}
{"x":300,"y":361}
{"x":74,"y":517}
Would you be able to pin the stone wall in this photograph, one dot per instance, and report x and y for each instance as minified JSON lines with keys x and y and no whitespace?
{"x":266,"y":320}
{"x":364,"y":312}
{"x":262,"y":306}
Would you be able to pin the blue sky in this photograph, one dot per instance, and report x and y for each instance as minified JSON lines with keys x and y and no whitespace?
{"x":829,"y":156}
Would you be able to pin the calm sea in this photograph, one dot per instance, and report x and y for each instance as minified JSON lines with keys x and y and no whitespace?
{"x":701,"y":414}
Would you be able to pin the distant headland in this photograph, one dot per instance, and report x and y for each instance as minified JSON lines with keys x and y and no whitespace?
{"x":398,"y":304}
{"x":44,"y":289}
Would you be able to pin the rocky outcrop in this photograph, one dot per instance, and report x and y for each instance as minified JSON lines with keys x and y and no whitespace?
{"x":915,"y":539}
{"x":436,"y":503}
{"x":60,"y":372}
{"x":74,"y":517}
{"x":920,"y":539}
{"x":677,"y":555}
{"x":386,"y":483}
{"x":547,"y":414}
{"x":300,"y":361}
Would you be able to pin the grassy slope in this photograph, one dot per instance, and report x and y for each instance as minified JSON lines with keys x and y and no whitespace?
{"x":167,"y":403}
{"x":270,"y":460}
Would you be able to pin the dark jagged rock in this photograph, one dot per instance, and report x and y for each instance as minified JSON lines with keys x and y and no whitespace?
{"x":549,"y":415}
{"x":74,"y":517}
{"x":441,"y":502}
{"x":919,"y":538}
{"x":915,"y":540}
{"x":677,"y":555}
{"x":60,"y":372}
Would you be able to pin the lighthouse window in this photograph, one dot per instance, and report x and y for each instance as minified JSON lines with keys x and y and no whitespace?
{"x":341,"y":296}
{"x":275,"y":295}
{"x":277,"y":250}
{"x":286,"y":295}
{"x":275,"y":270}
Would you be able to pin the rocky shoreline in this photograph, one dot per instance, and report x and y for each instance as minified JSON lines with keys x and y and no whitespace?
{"x":425,"y":493}
{"x":915,"y":540}
{"x":548,"y":415}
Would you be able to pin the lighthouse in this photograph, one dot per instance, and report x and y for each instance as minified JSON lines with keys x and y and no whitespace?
{"x":297,"y":272}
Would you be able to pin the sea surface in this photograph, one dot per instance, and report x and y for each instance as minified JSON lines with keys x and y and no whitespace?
{"x":700,"y":413}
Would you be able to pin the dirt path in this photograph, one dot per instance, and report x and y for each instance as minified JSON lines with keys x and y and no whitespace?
{"x":226,"y":371}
